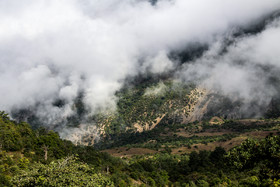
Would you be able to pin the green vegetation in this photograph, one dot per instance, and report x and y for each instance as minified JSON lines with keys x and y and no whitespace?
{"x":140,"y":105}
{"x":144,"y":103}
{"x":63,"y":172}
{"x":167,"y":135}
{"x":158,"y":137}
{"x":40,"y":158}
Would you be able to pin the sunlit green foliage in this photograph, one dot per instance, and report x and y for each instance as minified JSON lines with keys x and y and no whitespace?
{"x":251,"y":153}
{"x":23,"y":163}
{"x":63,"y":172}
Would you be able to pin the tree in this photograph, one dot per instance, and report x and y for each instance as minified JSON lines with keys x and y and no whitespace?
{"x":217,"y":156}
{"x":63,"y":172}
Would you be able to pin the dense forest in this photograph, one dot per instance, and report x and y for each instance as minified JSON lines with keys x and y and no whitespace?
{"x":40,"y":158}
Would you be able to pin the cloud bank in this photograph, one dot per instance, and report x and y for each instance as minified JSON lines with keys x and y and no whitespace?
{"x":53,"y":50}
{"x":249,"y":68}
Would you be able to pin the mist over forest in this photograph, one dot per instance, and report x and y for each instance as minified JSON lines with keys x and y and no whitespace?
{"x":55,"y":54}
{"x":139,"y":93}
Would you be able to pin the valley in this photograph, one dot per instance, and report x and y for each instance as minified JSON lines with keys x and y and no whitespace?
{"x":203,"y":137}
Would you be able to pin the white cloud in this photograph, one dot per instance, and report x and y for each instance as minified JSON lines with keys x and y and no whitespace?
{"x":244,"y":70}
{"x":53,"y":49}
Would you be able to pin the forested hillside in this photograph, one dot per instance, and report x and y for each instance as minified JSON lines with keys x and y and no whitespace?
{"x":145,"y":93}
{"x":154,"y":103}
{"x":40,"y":158}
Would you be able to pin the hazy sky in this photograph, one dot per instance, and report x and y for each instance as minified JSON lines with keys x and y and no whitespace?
{"x":52,"y":49}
